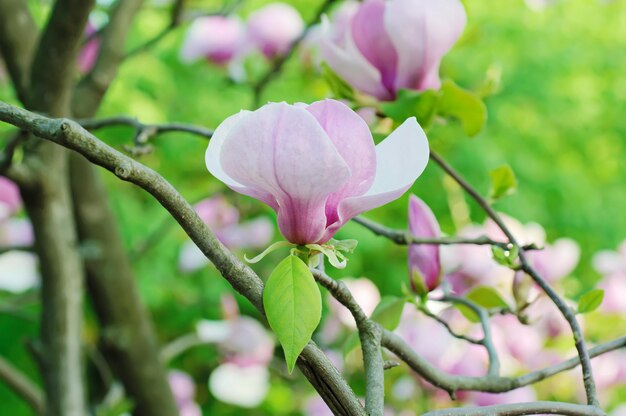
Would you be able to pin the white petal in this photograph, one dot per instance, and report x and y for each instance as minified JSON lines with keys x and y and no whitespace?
{"x":213,"y":152}
{"x":241,"y":386}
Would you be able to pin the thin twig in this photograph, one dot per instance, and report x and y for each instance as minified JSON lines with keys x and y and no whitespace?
{"x":22,"y":386}
{"x":370,"y":334}
{"x":401,"y":237}
{"x":589,"y":382}
{"x":520,"y":409}
{"x":450,"y":330}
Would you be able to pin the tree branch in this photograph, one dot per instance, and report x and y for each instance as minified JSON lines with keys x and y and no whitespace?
{"x":18,"y":38}
{"x":568,"y":314}
{"x":312,"y":362}
{"x":520,"y":409}
{"x":401,"y":237}
{"x":22,"y":386}
{"x":370,"y":334}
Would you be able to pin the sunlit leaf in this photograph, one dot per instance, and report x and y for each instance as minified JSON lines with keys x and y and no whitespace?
{"x":339,"y":87}
{"x":591,"y":301}
{"x":482,"y":296}
{"x":293,"y":306}
{"x":503,"y":182}
{"x":463,"y":105}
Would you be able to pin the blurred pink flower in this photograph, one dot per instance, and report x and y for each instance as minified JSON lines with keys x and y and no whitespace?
{"x":424,"y":261}
{"x":366,"y":295}
{"x":521,"y":395}
{"x":273,"y":28}
{"x":18,"y":271}
{"x":89,"y":52}
{"x":614,"y":287}
{"x":220,"y":39}
{"x":223,"y":219}
{"x":10,"y":199}
{"x":315,"y":165}
{"x":184,"y":391}
{"x":242,"y":386}
{"x":609,"y":262}
{"x":388,"y":45}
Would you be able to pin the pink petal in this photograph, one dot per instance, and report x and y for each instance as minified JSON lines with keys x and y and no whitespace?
{"x":424,"y":261}
{"x":556,"y":260}
{"x":422,"y":31}
{"x":353,"y":140}
{"x":217,"y":213}
{"x":214,"y":164}
{"x":274,"y":27}
{"x":89,"y":53}
{"x":256,"y":233}
{"x":182,"y":385}
{"x":350,"y":64}
{"x":400,"y":160}
{"x":370,"y":36}
{"x":282,"y":150}
{"x":191,"y":258}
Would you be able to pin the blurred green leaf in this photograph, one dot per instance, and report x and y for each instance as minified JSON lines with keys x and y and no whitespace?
{"x":504,"y":257}
{"x":463,"y":105}
{"x":388,"y":312}
{"x":590,"y":301}
{"x":485,"y":297}
{"x":410,"y":103}
{"x":503,"y":182}
{"x":293,"y":306}
{"x":339,"y":87}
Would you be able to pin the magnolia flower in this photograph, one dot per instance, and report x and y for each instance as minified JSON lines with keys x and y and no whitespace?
{"x":10,"y":199}
{"x":223,"y":219}
{"x":241,"y":386}
{"x":217,"y":38}
{"x":273,"y":28}
{"x":424,"y":262}
{"x":395,"y":44}
{"x":184,"y":391}
{"x":89,"y":52}
{"x":315,"y":165}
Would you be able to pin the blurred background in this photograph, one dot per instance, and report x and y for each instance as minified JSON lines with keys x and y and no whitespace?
{"x":557,"y":118}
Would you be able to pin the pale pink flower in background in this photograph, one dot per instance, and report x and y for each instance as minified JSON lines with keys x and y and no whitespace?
{"x":10,"y":199}
{"x":366,"y":295}
{"x":89,"y":52}
{"x":538,"y":5}
{"x":316,"y":165}
{"x":619,"y":411}
{"x":18,"y":271}
{"x":386,"y":46}
{"x":608,"y":262}
{"x":223,"y":219}
{"x":241,"y":386}
{"x":184,"y":391}
{"x":522,"y":395}
{"x":614,"y":287}
{"x":424,"y":260}
{"x":219,"y":39}
{"x":273,"y":28}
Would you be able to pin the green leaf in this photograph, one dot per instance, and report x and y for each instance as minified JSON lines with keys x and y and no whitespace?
{"x":463,"y":105}
{"x":388,"y":312}
{"x":591,"y":301}
{"x":504,"y":257}
{"x":273,"y":247}
{"x":339,"y":87}
{"x":503,"y":182}
{"x":293,"y":306}
{"x":351,"y":343}
{"x":485,"y":297}
{"x":410,"y":103}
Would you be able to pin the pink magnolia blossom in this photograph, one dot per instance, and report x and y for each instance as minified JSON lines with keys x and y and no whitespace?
{"x":424,"y":261}
{"x":184,"y":391}
{"x":242,"y":386}
{"x":219,"y":39}
{"x":522,"y":395}
{"x":223,"y":219}
{"x":609,"y":262}
{"x":395,"y":44}
{"x":315,"y":165}
{"x":273,"y":28}
{"x":10,"y":199}
{"x":89,"y":52}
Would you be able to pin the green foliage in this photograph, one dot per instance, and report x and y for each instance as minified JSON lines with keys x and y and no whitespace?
{"x":293,"y":306}
{"x":590,"y":301}
{"x":503,"y":182}
{"x":485,"y":297}
{"x":504,"y":257}
{"x":463,"y":105}
{"x":409,"y":103}
{"x":339,"y":87}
